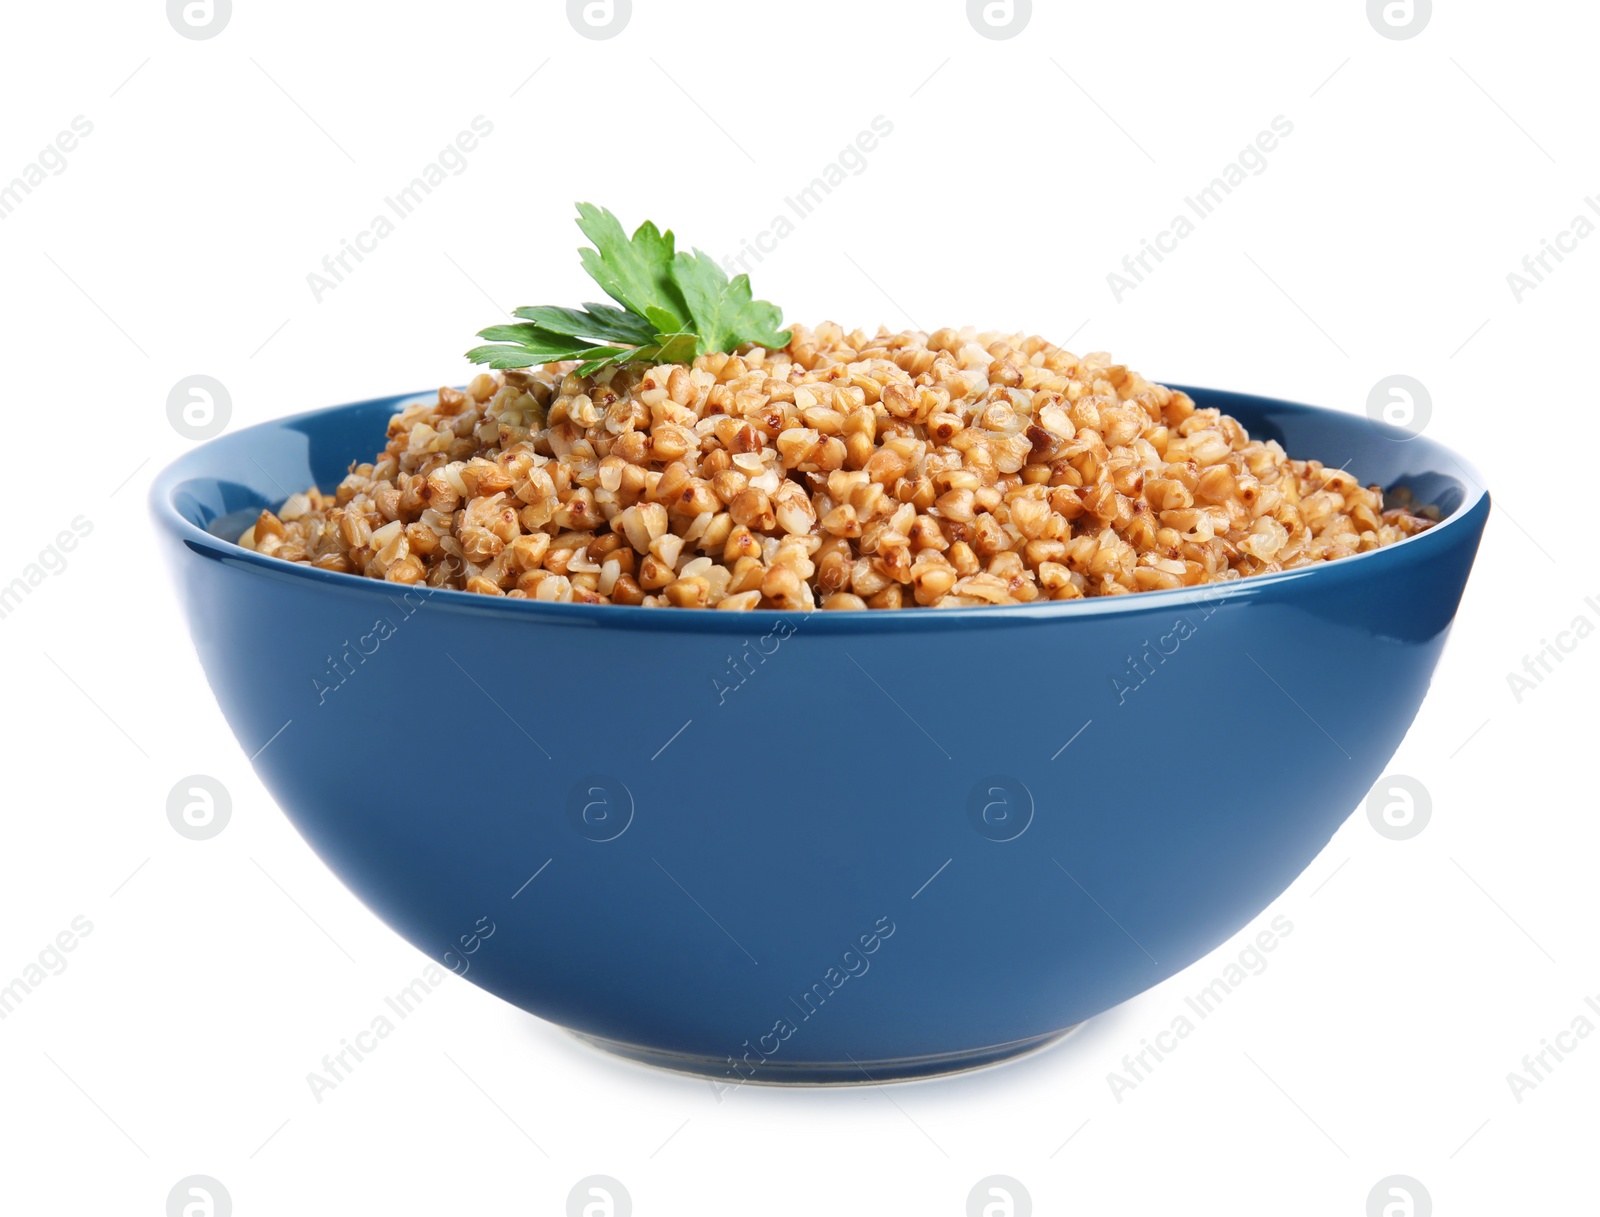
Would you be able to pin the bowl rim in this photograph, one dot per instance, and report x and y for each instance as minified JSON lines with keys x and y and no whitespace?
{"x":190,"y":465}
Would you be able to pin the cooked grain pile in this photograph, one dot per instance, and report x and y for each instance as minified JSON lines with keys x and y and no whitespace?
{"x":847,"y":471}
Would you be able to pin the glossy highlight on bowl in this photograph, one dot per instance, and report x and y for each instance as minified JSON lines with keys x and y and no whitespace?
{"x":821,"y":847}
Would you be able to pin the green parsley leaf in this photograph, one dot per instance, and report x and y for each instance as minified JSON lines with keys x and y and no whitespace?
{"x":724,"y":315}
{"x":599,"y":321}
{"x":675,"y":306}
{"x":677,"y":348}
{"x":596,"y":358}
{"x":506,"y":355}
{"x":636,"y":273}
{"x":526,"y":345}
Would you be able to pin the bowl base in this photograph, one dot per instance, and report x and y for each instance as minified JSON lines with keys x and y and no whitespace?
{"x":727,"y":1073}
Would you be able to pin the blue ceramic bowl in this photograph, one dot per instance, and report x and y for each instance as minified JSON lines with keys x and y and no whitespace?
{"x":817,"y":847}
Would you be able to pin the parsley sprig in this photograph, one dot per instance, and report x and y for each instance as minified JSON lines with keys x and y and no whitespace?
{"x":675,"y":305}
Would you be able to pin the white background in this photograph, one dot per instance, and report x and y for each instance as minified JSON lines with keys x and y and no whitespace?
{"x":1019,"y":173}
